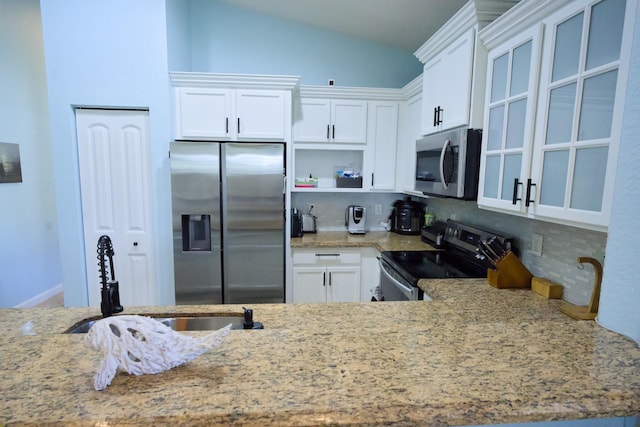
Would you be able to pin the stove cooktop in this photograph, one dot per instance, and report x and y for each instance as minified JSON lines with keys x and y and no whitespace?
{"x":456,"y":260}
{"x":416,"y":265}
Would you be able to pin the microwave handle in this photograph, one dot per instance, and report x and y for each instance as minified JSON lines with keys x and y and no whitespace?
{"x":447,"y":144}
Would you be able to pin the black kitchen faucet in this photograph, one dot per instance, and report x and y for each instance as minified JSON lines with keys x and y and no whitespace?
{"x":110,"y":303}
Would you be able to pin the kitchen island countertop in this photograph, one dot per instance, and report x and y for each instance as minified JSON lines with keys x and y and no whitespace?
{"x":473,"y":355}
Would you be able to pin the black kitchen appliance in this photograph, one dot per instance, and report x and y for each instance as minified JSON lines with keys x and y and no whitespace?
{"x":296,"y":223}
{"x":400,"y":271}
{"x":407,"y":216}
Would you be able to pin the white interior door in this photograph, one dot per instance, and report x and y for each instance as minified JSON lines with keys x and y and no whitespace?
{"x":113,"y":152}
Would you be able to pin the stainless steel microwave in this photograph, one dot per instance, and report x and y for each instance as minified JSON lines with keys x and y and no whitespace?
{"x":448,"y":163}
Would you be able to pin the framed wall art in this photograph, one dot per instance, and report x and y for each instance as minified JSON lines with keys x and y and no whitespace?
{"x":10,"y":170}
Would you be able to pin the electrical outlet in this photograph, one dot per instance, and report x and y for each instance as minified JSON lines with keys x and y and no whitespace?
{"x":536,"y":244}
{"x":377,"y":209}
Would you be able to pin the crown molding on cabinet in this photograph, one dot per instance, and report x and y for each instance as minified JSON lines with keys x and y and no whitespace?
{"x":413,"y":88}
{"x":346,"y":92}
{"x":234,"y":81}
{"x":521,"y":16}
{"x":475,"y":12}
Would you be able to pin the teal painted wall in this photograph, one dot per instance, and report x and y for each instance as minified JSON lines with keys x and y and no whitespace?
{"x":29,"y":256}
{"x":108,"y":54}
{"x":230,"y":39}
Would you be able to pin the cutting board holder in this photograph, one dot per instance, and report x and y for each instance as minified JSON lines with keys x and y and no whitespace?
{"x":509,"y":273}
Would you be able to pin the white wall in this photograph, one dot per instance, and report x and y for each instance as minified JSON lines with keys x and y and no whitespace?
{"x":106,"y":53}
{"x":29,"y":256}
{"x":620,"y":296}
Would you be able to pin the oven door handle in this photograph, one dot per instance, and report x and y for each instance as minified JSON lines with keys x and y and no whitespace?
{"x":404,"y":288}
{"x":443,"y":153}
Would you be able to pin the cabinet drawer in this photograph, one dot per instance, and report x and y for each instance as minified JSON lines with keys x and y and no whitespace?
{"x":326,"y":256}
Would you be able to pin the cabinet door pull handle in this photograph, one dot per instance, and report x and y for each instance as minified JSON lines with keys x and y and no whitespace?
{"x":329,"y":278}
{"x":515,"y":199}
{"x":226,"y":125}
{"x":372,"y":178}
{"x":435,"y":116}
{"x":238,"y":124}
{"x":327,"y":254}
{"x":333,"y":127}
{"x":327,"y":131}
{"x":324,"y":279}
{"x":439,"y":115}
{"x":528,"y":200}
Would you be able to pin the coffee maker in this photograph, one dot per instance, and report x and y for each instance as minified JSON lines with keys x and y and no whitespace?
{"x":354,"y":219}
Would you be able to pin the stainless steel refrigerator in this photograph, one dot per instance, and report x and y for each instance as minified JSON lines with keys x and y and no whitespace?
{"x":228,"y":222}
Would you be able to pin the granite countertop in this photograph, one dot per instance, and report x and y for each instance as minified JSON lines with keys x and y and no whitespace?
{"x":381,"y":240}
{"x":473,"y":355}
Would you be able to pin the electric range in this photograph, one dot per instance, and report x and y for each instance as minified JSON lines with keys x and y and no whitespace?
{"x":456,"y":257}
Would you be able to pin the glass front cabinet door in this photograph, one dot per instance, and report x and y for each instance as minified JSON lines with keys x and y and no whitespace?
{"x":551,"y":137}
{"x":582,"y":85}
{"x":508,"y":121}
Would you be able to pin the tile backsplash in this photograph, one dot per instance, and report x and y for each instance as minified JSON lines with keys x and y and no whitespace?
{"x":330,"y":208}
{"x":562,"y":245}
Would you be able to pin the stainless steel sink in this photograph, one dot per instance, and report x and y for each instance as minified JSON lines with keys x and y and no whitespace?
{"x":179,"y":323}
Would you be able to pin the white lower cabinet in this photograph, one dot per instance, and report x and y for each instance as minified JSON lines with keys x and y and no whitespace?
{"x":326,"y":275}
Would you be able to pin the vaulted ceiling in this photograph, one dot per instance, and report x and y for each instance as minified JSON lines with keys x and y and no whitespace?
{"x":403,"y":24}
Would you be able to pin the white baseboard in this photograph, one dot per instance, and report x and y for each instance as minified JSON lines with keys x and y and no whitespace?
{"x":41,"y":297}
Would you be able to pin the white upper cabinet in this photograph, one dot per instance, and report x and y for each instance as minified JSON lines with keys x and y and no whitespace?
{"x":260,"y":114}
{"x":331,"y":120}
{"x":582,"y":86}
{"x":383,"y":133}
{"x":202,"y":113}
{"x":225,"y":114}
{"x":227,"y":107}
{"x":408,"y":133}
{"x":508,"y":122}
{"x":559,"y":163}
{"x":447,"y":86}
{"x":454,"y":68}
{"x":345,"y":129}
